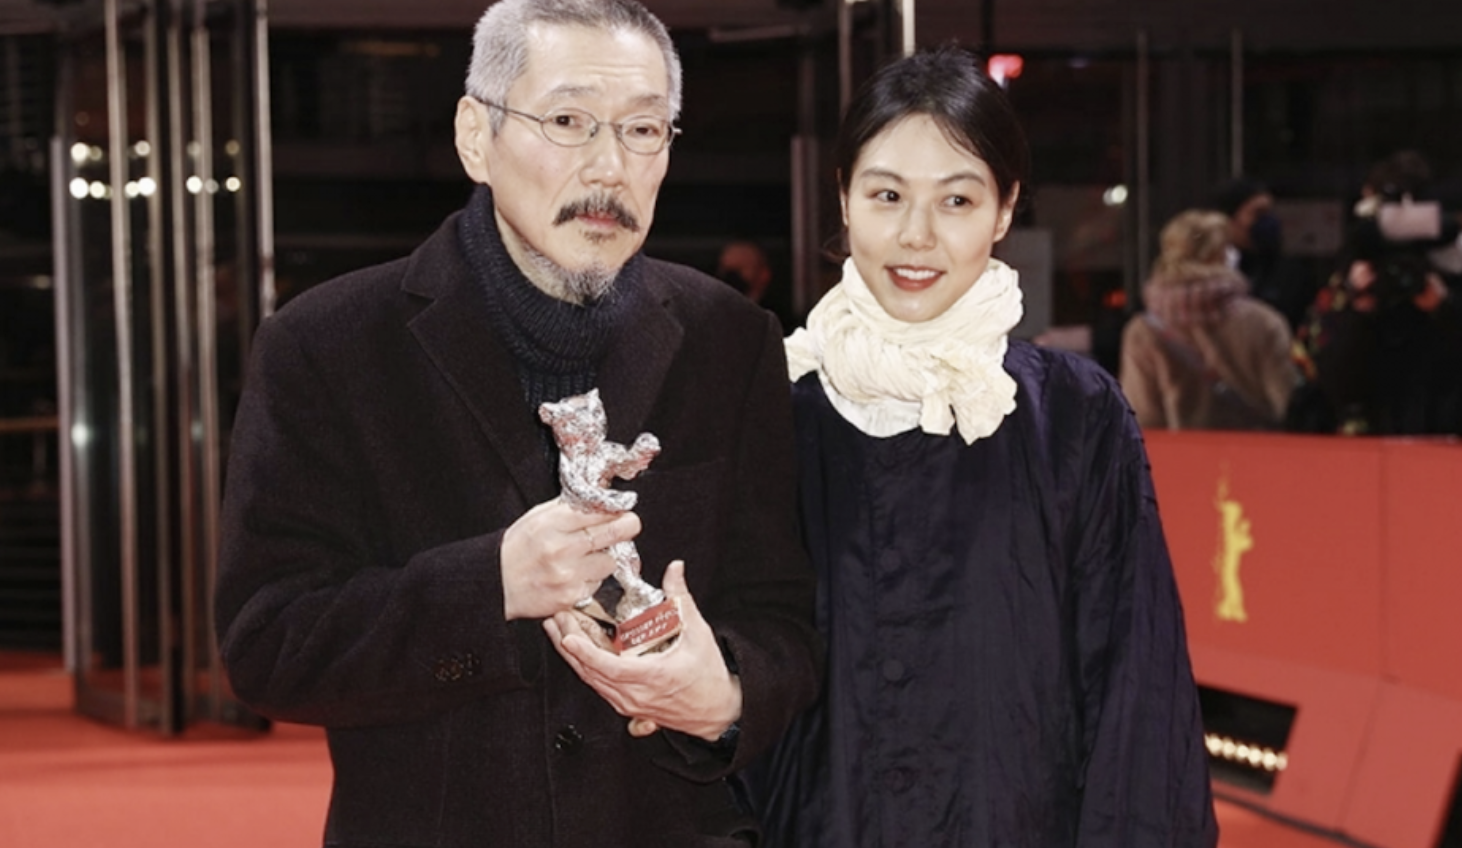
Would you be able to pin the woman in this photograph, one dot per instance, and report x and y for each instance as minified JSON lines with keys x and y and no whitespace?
{"x":1205,"y":355}
{"x":1006,"y":657}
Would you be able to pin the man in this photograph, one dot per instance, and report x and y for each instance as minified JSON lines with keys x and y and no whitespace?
{"x":396,"y":566}
{"x":1257,"y":240}
{"x":744,"y":266}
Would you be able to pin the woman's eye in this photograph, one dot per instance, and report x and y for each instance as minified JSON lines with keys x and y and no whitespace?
{"x":957,"y":200}
{"x":888,"y":195}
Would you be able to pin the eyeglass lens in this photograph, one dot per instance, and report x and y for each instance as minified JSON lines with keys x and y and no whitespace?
{"x":572,"y":128}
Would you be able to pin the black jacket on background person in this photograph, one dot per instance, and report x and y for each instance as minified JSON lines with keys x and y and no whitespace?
{"x":382,"y":446}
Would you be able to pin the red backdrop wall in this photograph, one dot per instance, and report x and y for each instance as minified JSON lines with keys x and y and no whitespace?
{"x":1326,"y":573}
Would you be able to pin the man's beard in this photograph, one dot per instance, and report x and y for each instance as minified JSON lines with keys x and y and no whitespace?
{"x":588,"y":284}
{"x":584,"y":285}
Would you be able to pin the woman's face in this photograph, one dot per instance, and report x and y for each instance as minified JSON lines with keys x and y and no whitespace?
{"x":922,"y":217}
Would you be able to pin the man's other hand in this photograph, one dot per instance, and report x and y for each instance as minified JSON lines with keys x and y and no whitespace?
{"x":686,"y":687}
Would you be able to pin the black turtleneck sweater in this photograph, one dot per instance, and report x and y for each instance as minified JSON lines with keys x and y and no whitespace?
{"x":556,"y":345}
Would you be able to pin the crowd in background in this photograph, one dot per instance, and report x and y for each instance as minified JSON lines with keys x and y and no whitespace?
{"x":1234,"y":334}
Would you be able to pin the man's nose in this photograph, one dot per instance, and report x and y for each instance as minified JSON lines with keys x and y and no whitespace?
{"x":605,"y":160}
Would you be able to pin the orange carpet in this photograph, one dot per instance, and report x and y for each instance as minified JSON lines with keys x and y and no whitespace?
{"x":70,"y":782}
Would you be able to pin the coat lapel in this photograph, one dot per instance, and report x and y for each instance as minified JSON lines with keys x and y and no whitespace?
{"x":454,"y":330}
{"x":639,"y":360}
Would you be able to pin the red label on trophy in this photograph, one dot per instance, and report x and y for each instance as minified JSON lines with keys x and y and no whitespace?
{"x":648,"y":631}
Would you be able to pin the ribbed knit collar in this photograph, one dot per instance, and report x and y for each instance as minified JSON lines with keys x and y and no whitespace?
{"x":543,"y":333}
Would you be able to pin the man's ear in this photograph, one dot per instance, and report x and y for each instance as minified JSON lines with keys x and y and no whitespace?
{"x":1007,"y":213}
{"x":473,"y":137}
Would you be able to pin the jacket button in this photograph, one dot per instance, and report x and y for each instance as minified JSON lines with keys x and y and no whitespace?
{"x":568,"y":740}
{"x":893,"y":671}
{"x":896,"y":780}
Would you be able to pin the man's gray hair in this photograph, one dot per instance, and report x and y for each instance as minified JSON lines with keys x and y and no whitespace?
{"x":500,"y":42}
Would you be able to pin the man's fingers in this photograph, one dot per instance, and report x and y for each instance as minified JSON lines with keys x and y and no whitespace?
{"x":675,"y":587}
{"x":674,"y":580}
{"x":621,"y":528}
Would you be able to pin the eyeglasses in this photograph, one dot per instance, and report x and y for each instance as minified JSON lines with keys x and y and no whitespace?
{"x":567,"y":127}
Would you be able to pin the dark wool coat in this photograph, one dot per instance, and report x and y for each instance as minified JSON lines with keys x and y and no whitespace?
{"x":381,"y":448}
{"x":1007,"y":665}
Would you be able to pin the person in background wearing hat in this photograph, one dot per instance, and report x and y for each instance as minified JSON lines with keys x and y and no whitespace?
{"x":1204,"y":355}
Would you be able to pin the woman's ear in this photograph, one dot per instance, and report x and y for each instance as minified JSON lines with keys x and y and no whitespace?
{"x":842,"y":196}
{"x":1007,"y":213}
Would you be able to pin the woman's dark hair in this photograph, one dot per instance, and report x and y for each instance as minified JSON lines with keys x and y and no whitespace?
{"x":947,"y":85}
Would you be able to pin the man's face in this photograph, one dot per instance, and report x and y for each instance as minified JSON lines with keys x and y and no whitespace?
{"x":583,"y":209}
{"x":1245,"y":216}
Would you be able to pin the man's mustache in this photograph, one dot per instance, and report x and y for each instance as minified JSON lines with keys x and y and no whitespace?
{"x":599,"y":205}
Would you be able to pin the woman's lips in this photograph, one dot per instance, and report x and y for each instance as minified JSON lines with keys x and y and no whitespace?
{"x":911,"y":278}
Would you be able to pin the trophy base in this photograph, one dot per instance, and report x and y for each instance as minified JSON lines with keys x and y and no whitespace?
{"x":649,"y":631}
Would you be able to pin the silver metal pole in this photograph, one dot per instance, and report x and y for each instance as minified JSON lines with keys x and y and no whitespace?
{"x":1236,"y":103}
{"x":906,"y":20}
{"x":158,"y":49}
{"x":205,"y":301}
{"x":265,"y":173}
{"x":63,"y":288}
{"x":802,"y":225}
{"x":122,"y":308}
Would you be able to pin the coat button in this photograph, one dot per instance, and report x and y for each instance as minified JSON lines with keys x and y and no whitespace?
{"x":893,"y":671}
{"x":568,"y":740}
{"x":896,"y":780}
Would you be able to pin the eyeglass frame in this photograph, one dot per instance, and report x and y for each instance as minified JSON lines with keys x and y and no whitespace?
{"x":595,"y":124}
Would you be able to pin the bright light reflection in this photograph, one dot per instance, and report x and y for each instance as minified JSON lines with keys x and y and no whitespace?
{"x":1115,"y":196}
{"x":80,"y":188}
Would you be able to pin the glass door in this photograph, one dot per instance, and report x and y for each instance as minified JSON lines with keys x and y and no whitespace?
{"x":159,"y":258}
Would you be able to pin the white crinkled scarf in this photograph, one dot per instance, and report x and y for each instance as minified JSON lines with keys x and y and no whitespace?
{"x":887,"y":376}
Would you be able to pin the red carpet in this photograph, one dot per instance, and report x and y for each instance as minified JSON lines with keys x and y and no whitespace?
{"x":69,"y":782}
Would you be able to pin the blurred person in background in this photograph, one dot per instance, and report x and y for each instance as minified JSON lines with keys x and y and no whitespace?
{"x":1382,"y":346}
{"x":1205,"y":355}
{"x":1256,"y":239}
{"x":744,"y":265}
